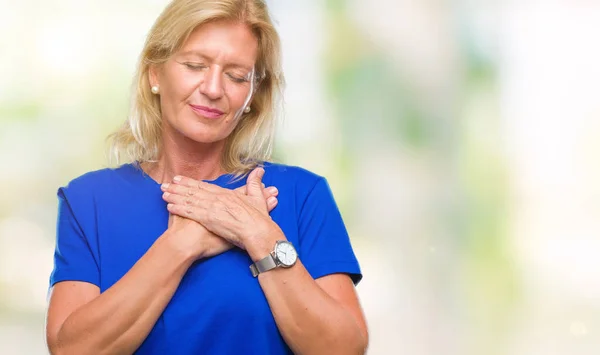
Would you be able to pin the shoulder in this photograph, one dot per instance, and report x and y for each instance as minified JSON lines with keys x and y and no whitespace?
{"x":96,"y":182}
{"x":291,"y":175}
{"x":304,"y":184}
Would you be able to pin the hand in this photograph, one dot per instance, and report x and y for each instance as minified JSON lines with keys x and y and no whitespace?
{"x":236,"y":217}
{"x":191,"y":238}
{"x":195,"y":238}
{"x":270,"y":193}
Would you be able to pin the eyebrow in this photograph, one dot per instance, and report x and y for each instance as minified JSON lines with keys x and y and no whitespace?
{"x":204,"y":56}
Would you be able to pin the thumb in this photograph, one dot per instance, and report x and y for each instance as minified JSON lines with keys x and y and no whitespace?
{"x":254,"y":183}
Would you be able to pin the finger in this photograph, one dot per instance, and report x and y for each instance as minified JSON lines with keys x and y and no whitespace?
{"x":272,"y":190}
{"x":184,"y":200}
{"x":241,"y":190}
{"x":179,"y":190}
{"x":179,"y":210}
{"x":254,"y":182}
{"x":267,"y":192}
{"x":189,"y":182}
{"x":185,"y":181}
{"x":271,"y":203}
{"x":195,"y":213}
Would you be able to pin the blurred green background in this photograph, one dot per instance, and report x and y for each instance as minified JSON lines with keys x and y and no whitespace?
{"x":460,"y":138}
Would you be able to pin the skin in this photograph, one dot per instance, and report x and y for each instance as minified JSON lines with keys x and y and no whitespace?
{"x":313,"y":316}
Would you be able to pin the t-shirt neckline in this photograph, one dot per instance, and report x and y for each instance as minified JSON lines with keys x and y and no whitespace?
{"x":138,"y":169}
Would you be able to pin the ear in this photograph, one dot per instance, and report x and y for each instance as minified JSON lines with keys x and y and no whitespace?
{"x":153,"y":75}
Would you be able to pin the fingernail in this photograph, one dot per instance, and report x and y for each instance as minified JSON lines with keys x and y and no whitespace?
{"x":166,"y":194}
{"x":272,"y":190}
{"x":261,"y":172}
{"x":177,"y":178}
{"x":165,"y":186}
{"x":271,"y":201}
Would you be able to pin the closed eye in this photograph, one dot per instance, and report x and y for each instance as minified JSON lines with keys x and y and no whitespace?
{"x":194,"y":66}
{"x":237,"y":78}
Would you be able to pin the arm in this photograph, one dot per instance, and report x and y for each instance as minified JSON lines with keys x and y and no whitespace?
{"x":313,"y":316}
{"x":81,"y":320}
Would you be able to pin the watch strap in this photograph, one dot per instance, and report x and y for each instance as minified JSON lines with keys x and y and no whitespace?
{"x":265,"y":264}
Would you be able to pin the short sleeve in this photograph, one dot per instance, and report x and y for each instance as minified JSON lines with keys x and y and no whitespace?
{"x":324,"y":244}
{"x":73,"y":256}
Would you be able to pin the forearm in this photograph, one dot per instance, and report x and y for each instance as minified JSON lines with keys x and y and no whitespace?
{"x":310,"y":321}
{"x":119,"y":319}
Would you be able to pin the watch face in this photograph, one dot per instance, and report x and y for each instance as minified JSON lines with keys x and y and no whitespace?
{"x":286,"y":254}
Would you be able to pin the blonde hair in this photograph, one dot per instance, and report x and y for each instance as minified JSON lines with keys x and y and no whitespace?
{"x":251,"y":142}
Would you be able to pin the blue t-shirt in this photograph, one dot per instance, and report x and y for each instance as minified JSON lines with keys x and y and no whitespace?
{"x":108,"y":219}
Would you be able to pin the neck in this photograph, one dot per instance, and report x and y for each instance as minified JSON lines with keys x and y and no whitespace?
{"x":183,"y":156}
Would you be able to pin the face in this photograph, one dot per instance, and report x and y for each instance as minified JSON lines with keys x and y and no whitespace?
{"x":207,"y":82}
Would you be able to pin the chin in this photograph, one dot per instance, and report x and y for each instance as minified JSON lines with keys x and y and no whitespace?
{"x":200,"y":132}
{"x":203,"y":134}
{"x":204,"y":137}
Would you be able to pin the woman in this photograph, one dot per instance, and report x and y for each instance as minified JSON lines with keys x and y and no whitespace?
{"x":184,"y":251}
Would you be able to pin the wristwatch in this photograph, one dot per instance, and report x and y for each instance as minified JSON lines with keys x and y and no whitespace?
{"x":283,"y":255}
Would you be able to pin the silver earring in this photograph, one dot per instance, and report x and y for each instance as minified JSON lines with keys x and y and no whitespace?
{"x":247,"y":109}
{"x":154,"y":89}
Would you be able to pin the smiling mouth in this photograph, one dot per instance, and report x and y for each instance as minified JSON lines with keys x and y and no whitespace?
{"x":207,"y":111}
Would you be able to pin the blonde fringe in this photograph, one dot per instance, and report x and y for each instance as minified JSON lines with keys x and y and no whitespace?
{"x":251,"y":143}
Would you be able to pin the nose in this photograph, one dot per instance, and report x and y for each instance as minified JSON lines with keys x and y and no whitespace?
{"x":212,"y":83}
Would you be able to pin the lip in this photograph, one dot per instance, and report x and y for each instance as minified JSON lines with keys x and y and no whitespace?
{"x":207,"y":111}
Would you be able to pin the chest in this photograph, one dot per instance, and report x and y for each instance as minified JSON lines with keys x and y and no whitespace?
{"x":125,"y":233}
{"x":216,"y":301}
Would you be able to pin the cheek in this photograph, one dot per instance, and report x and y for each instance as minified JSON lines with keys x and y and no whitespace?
{"x":237,"y":98}
{"x":177,"y":89}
